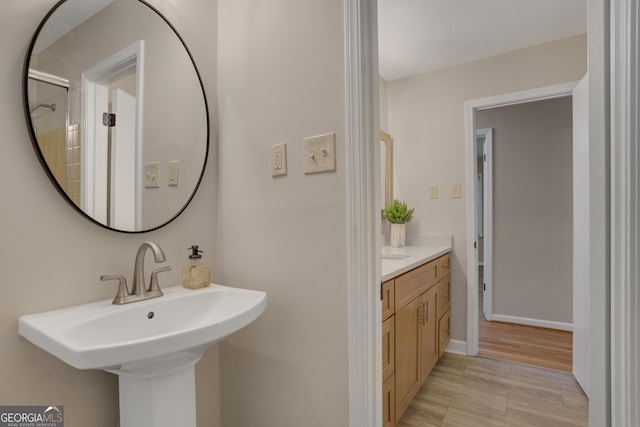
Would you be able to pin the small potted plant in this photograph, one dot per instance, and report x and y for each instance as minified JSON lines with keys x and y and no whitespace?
{"x":398,"y":214}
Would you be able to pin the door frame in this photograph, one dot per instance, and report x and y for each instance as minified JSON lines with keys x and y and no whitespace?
{"x":95,"y":85}
{"x":364,"y":270}
{"x":471,"y":106}
{"x":487,"y":220}
{"x":625,"y":215}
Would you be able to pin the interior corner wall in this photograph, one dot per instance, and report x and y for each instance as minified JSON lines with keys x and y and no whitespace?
{"x":51,"y":257}
{"x":532,"y":209}
{"x":426,"y":120}
{"x":281,"y":79}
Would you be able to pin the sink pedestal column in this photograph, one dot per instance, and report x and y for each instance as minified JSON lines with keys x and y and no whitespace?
{"x":166,"y":401}
{"x":160,"y":399}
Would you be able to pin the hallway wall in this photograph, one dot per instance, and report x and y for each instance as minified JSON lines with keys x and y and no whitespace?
{"x":532,"y":209}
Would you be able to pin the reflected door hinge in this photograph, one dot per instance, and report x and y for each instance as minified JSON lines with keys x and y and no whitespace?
{"x":475,"y":245}
{"x":484,"y":157}
{"x":109,"y":119}
{"x":484,"y":286}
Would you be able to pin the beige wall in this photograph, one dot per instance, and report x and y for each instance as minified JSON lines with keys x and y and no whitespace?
{"x":426,"y":119}
{"x":50,"y":257}
{"x":281,"y":79}
{"x":282,"y":76}
{"x":532,"y":209}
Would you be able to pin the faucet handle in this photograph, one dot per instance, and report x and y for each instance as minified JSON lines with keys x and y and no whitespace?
{"x":123,"y":290}
{"x":153,"y":284}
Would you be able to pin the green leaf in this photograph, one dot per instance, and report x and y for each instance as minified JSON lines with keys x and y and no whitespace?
{"x":398,"y":212}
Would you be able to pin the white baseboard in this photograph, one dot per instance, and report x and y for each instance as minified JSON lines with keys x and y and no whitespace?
{"x":457,"y":347}
{"x":550,"y":324}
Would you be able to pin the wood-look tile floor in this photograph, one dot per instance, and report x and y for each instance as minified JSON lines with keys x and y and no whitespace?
{"x":464,"y":391}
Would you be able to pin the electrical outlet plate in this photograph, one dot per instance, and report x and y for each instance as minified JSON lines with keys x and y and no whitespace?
{"x":279,"y":160}
{"x":151,"y":175}
{"x":320,"y":153}
{"x":455,"y":191}
{"x":433,"y":191}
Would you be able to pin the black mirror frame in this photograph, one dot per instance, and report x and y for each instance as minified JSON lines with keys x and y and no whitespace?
{"x":40,"y":155}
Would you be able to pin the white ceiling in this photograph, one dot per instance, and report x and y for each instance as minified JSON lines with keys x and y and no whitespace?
{"x":67,"y":17}
{"x":416,"y":36}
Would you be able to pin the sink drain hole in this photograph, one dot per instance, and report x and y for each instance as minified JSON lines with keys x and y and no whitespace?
{"x":150,"y":315}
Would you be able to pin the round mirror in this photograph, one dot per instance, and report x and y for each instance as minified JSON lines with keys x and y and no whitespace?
{"x":117,"y":112}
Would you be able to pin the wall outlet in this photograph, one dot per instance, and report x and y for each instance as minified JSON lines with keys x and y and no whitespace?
{"x":320,"y":153}
{"x":456,"y":192}
{"x":279,"y":160}
{"x":151,"y":179}
{"x":433,"y":191}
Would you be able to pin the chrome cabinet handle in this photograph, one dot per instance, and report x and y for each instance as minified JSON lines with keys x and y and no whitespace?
{"x":426,"y":314}
{"x":421,"y":314}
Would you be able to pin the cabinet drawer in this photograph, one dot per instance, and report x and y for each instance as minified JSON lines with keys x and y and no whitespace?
{"x":389,"y":402}
{"x":388,"y":347}
{"x":444,"y":302}
{"x":444,"y":336}
{"x":443,"y":266}
{"x":388,"y":299}
{"x":411,"y":285}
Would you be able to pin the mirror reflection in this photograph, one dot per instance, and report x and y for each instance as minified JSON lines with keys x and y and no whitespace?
{"x":117,"y":112}
{"x":386,"y":166}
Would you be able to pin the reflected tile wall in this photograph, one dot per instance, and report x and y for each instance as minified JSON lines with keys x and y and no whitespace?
{"x":63,"y":159}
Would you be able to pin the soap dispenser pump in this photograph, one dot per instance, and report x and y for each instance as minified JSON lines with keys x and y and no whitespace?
{"x":195,"y":275}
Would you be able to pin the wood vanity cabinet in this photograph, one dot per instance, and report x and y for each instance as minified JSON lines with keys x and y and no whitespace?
{"x":388,"y":355}
{"x":429,"y":354}
{"x":416,"y":310}
{"x":444,"y":314}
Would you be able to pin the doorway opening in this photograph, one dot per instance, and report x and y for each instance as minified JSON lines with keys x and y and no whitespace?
{"x":112,"y":109}
{"x":480,"y":227}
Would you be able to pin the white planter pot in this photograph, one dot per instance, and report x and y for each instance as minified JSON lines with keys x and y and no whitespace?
{"x":397,"y":235}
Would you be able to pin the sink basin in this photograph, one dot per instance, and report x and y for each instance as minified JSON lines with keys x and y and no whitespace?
{"x":395,"y":256}
{"x":152,"y":345}
{"x":106,"y":336}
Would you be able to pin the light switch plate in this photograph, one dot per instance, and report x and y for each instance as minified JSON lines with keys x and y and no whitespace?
{"x":455,"y":191}
{"x":151,"y":179}
{"x":433,"y":191}
{"x":279,"y":160}
{"x":174,"y":172}
{"x":320,"y":153}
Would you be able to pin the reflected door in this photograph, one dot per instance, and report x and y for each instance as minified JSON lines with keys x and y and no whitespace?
{"x":124,"y":210}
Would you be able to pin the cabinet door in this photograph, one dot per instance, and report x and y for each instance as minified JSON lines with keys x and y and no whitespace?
{"x":388,"y":299}
{"x":389,"y":402}
{"x":428,"y":333}
{"x":388,"y":347}
{"x":444,"y":336}
{"x":407,"y":351}
{"x":444,"y":303}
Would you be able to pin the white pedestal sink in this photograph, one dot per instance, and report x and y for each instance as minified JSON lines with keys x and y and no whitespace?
{"x":152,"y":345}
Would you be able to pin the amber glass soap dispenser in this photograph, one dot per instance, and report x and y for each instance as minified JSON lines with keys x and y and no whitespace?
{"x":195,"y":275}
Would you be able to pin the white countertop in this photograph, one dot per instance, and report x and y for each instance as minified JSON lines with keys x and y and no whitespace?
{"x":396,"y":261}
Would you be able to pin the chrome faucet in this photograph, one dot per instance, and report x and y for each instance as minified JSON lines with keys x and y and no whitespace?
{"x":137,"y":288}
{"x":139,"y":291}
